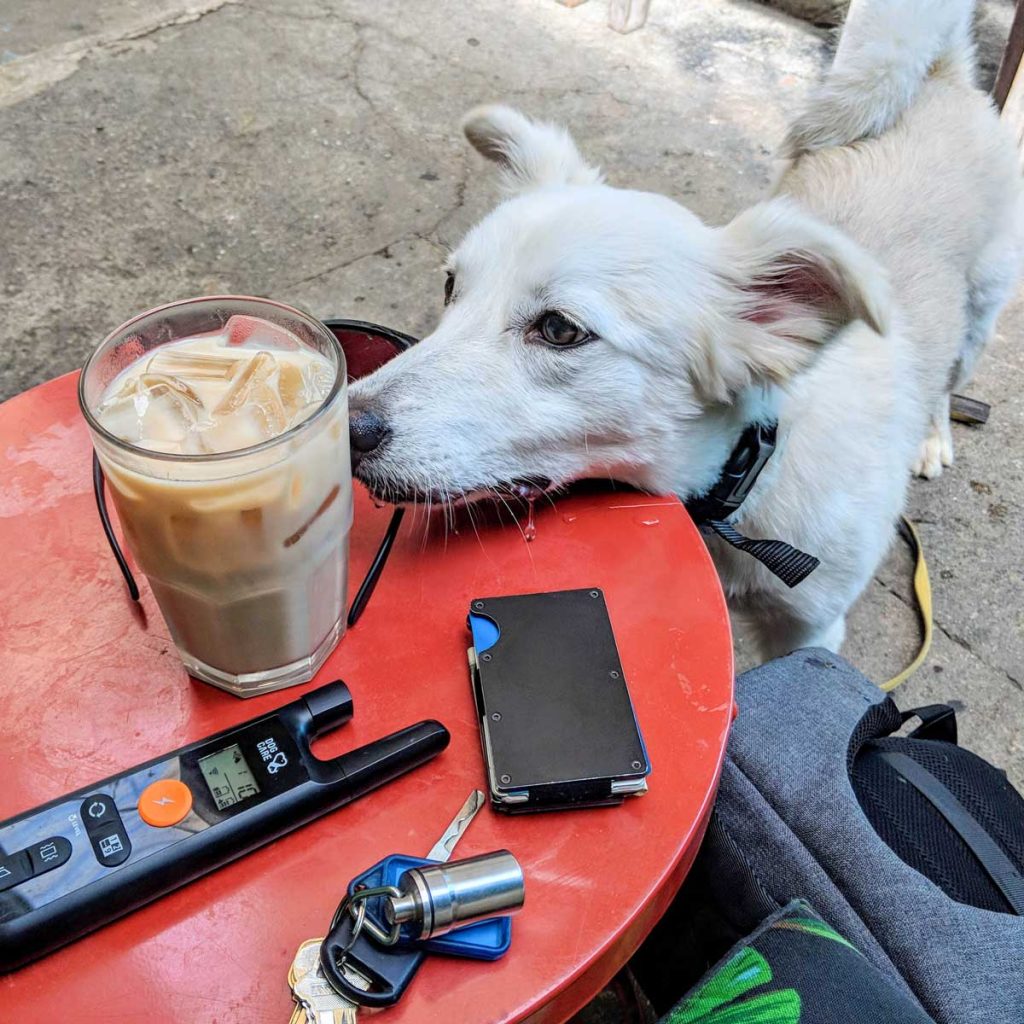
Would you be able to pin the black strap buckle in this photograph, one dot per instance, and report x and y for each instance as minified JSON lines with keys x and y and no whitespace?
{"x":735,"y":482}
{"x":738,"y":476}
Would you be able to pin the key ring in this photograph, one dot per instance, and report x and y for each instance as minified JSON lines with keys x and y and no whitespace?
{"x":341,"y":955}
{"x":357,"y":908}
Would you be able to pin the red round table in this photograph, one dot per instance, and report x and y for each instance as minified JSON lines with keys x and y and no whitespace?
{"x":90,"y":685}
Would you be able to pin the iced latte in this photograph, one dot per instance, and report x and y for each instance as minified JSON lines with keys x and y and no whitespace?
{"x":222,"y":428}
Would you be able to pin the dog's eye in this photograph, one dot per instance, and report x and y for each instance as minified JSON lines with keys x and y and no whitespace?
{"x":449,"y":288}
{"x":560,"y":332}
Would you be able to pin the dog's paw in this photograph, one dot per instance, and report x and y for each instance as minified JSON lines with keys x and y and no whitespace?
{"x":935,"y":452}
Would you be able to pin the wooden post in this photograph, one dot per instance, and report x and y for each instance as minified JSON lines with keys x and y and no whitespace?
{"x":627,"y":15}
{"x":968,"y":410}
{"x":1011,"y":58}
{"x":1009,"y":88}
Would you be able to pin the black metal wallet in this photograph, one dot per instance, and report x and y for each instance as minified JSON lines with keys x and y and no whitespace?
{"x":557,"y":724}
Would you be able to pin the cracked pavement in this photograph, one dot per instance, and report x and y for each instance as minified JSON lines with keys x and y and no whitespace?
{"x":155,"y":149}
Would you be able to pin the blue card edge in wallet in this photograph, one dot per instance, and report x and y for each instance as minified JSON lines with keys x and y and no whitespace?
{"x":557,"y":725}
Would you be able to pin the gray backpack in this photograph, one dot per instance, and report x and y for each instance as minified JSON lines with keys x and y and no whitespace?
{"x":812,"y":782}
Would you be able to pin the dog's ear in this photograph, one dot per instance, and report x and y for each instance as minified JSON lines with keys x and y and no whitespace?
{"x":792,"y":282}
{"x":531,"y":154}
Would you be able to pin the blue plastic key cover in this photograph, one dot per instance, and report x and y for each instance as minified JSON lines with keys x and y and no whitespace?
{"x":482,"y":940}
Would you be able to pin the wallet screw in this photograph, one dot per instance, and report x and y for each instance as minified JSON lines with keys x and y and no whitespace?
{"x":637,"y":765}
{"x":614,"y":675}
{"x":506,"y":779}
{"x":595,"y":593}
{"x":485,"y":657}
{"x":496,"y":717}
{"x":478,"y":605}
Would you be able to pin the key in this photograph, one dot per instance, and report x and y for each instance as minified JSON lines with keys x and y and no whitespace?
{"x":299,"y":1013}
{"x":322,"y":1004}
{"x":442,"y":849}
{"x":298,"y":968}
{"x":318,"y":1003}
{"x":389,"y":970}
{"x":390,"y":869}
{"x":482,"y":940}
{"x":307,"y":958}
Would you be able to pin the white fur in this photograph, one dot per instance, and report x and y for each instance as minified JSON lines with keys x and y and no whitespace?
{"x":848,"y":305}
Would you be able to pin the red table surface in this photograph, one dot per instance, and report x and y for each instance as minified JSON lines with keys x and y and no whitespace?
{"x":90,"y":686}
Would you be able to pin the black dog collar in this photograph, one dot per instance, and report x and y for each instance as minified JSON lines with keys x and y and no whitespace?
{"x":711,"y":510}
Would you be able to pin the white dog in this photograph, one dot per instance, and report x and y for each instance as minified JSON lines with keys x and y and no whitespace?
{"x":595,"y":331}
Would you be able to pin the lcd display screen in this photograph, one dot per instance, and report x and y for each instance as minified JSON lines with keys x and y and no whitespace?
{"x":228,"y":776}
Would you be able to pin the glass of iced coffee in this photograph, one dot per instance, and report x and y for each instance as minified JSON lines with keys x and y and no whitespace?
{"x":222,"y":427}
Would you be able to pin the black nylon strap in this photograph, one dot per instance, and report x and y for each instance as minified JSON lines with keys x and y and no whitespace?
{"x":791,"y":565}
{"x":988,"y":852}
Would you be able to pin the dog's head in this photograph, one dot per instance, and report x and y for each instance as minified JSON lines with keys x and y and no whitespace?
{"x":595,"y":331}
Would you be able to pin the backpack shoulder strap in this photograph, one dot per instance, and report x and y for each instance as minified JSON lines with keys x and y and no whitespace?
{"x":997,"y":865}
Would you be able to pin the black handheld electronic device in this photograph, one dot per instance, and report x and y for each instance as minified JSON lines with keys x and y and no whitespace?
{"x":81,"y":861}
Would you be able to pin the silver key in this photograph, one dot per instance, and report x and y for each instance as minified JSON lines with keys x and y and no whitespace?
{"x":309,"y":985}
{"x":322,"y":1004}
{"x":442,"y":849}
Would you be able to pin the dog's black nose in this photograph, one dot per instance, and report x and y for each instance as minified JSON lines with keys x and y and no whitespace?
{"x":366,"y":432}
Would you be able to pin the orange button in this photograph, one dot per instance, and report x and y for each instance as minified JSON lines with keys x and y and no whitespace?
{"x":165,"y":803}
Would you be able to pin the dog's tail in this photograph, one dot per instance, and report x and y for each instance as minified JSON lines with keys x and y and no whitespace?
{"x":888,"y":49}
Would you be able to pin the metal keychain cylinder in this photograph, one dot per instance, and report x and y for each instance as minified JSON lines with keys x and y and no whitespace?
{"x":441,"y":897}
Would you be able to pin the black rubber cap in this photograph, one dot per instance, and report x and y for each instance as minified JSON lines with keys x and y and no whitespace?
{"x":329,"y":706}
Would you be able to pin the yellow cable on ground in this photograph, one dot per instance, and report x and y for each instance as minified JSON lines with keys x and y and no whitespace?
{"x":923,"y":594}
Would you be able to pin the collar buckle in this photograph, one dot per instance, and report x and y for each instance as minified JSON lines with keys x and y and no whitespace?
{"x":739,"y":474}
{"x":711,"y":511}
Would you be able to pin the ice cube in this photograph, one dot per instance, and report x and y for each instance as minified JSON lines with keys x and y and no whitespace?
{"x":303,"y":414}
{"x":268,"y":402}
{"x":168,"y":409}
{"x":248,"y":374}
{"x":319,"y":377}
{"x":171,"y":447}
{"x":189,"y":365}
{"x":157,"y":383}
{"x":235,"y":430}
{"x":250,"y":411}
{"x":260,"y":490}
{"x":253,"y":332}
{"x":119,"y":415}
{"x":154,"y":410}
{"x":258,"y":419}
{"x":303,"y":389}
{"x":291,"y":386}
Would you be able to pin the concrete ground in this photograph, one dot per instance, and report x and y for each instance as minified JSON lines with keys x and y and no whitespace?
{"x":309,"y":150}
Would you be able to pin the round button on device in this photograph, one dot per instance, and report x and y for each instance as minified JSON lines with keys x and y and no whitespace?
{"x":165,"y":803}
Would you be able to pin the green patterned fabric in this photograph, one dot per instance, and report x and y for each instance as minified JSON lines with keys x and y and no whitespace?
{"x":720,"y":1000}
{"x":795,"y":969}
